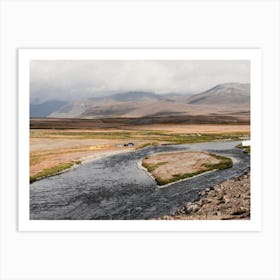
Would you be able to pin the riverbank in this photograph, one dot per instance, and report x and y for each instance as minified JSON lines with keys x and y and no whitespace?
{"x":229,"y":200}
{"x":58,"y":169}
{"x":52,"y":149}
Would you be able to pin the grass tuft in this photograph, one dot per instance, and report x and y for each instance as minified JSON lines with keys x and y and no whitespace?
{"x":151,"y":168}
{"x":147,"y":145}
{"x":52,"y":170}
{"x":246,"y":149}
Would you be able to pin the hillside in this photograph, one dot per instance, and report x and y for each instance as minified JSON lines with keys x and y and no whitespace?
{"x":46,"y":108}
{"x":226,"y":95}
{"x":230,"y":98}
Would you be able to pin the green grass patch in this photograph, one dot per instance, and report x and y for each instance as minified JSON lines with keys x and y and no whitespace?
{"x":146,"y":145}
{"x":81,"y":135}
{"x":149,"y":136}
{"x":223,"y":164}
{"x":177,"y":177}
{"x":246,"y":149}
{"x":153,"y":167}
{"x":52,"y":170}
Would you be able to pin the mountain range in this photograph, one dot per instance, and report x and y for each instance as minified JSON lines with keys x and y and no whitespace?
{"x":223,"y":98}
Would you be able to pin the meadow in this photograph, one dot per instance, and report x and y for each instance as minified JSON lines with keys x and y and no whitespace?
{"x":53,"y":150}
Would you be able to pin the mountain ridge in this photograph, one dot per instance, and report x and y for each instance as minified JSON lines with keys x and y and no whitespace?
{"x":226,"y":97}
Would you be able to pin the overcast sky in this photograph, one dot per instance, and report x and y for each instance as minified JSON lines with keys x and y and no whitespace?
{"x":68,"y":80}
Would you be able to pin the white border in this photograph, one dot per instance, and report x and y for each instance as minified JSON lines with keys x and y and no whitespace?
{"x":254,"y":55}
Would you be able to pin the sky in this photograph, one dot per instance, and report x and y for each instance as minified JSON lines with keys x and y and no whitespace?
{"x":70,"y":80}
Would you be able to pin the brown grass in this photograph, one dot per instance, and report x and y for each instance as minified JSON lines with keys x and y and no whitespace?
{"x":52,"y":147}
{"x":173,"y":166}
{"x":197,"y":128}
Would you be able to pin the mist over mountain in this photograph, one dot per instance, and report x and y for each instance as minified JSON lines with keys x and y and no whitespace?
{"x":72,"y":80}
{"x":228,"y":94}
{"x":134,"y":96}
{"x":46,"y":108}
{"x":227,"y":97}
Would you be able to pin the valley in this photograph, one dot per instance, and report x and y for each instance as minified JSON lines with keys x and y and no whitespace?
{"x":52,"y":147}
{"x":96,"y":143}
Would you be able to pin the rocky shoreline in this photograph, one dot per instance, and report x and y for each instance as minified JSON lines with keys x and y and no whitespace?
{"x":229,"y":200}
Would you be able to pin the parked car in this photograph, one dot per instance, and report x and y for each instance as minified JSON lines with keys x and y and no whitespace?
{"x":130,"y":144}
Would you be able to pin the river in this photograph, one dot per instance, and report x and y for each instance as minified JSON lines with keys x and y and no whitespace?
{"x":114,"y":187}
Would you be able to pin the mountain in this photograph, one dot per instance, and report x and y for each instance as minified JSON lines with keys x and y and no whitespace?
{"x":226,"y":95}
{"x":114,"y":105}
{"x":134,"y":96}
{"x":46,"y":108}
{"x":229,"y":97}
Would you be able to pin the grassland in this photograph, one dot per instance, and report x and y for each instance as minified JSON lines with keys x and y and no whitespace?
{"x":54,"y":150}
{"x":183,"y":165}
{"x":52,"y":171}
{"x":154,"y":137}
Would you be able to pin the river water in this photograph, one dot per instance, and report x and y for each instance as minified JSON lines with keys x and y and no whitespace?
{"x":114,"y":187}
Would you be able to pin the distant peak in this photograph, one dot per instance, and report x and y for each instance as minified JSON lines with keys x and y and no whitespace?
{"x":232,"y":84}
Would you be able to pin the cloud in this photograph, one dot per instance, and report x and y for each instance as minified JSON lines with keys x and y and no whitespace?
{"x":68,"y":80}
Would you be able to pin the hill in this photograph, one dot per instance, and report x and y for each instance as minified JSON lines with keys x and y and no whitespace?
{"x":223,"y":98}
{"x":226,"y":95}
{"x":46,"y":108}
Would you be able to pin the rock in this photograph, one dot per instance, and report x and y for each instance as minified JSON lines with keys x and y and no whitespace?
{"x":221,"y":201}
{"x":193,"y":208}
{"x":226,"y":201}
{"x":238,"y":212}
